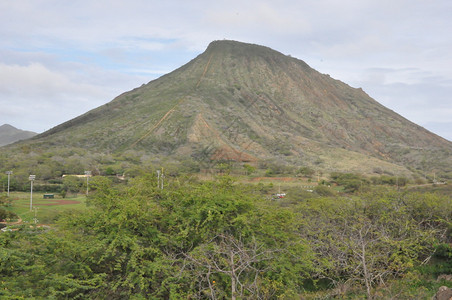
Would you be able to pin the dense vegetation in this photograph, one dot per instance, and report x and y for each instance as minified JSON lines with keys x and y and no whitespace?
{"x":225,"y":240}
{"x":5,"y":214}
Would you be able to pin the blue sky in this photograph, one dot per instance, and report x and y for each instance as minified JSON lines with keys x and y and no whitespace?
{"x":59,"y":59}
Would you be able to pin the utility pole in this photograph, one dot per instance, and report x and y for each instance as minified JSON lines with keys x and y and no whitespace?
{"x":36,"y":213}
{"x":31,"y":178}
{"x":160,"y":179}
{"x":87,"y":174}
{"x":9,"y":174}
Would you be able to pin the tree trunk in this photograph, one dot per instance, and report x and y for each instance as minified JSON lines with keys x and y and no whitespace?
{"x":233,"y":283}
{"x":365,"y":271}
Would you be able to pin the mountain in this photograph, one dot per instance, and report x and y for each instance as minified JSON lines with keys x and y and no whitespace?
{"x":10,"y":134}
{"x":249,"y":103}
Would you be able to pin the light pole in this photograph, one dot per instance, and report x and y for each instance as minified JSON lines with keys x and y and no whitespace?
{"x":158,"y":178}
{"x":31,"y":178}
{"x":36,"y":213}
{"x":87,"y":174}
{"x":9,"y":174}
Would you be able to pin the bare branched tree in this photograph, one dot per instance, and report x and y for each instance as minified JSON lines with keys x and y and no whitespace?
{"x":241,"y":261}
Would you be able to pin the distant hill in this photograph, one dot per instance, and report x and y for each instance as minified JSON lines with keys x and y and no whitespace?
{"x":10,"y":134}
{"x":249,"y":103}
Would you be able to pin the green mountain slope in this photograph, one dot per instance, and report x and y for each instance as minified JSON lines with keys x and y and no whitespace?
{"x":247,"y":103}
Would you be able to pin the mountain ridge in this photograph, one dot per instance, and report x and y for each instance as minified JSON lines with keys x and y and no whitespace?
{"x":10,"y":134}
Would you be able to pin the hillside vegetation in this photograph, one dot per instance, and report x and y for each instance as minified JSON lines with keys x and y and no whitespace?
{"x":223,"y":240}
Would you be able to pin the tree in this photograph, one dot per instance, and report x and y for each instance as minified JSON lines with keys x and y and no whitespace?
{"x":110,"y":171}
{"x":72,"y":184}
{"x":249,"y":169}
{"x":5,"y":214}
{"x":372,"y":238}
{"x":241,"y":262}
{"x":306,"y":171}
{"x":350,"y":182}
{"x":222,"y":240}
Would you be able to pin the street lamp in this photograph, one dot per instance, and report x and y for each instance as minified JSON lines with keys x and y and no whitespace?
{"x":31,"y":178}
{"x":87,"y":174}
{"x":9,"y":174}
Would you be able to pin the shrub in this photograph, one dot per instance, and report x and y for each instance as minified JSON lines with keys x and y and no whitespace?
{"x":6,"y":214}
{"x":323,"y":190}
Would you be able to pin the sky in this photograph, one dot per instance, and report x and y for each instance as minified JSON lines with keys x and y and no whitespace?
{"x":60,"y":59}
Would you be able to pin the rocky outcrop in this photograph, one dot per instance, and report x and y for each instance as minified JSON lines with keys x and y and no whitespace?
{"x":444,"y":293}
{"x":447,"y":277}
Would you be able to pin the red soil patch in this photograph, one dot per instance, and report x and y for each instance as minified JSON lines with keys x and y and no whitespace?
{"x":226,"y":152}
{"x":59,"y":202}
{"x":285,"y":179}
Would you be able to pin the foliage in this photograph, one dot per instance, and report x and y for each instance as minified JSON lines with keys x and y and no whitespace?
{"x":351,"y":182}
{"x":274,"y":168}
{"x":306,"y":171}
{"x":72,"y":184}
{"x":143,"y":240}
{"x":249,"y":169}
{"x":3,"y":199}
{"x":324,"y":190}
{"x":372,"y":238}
{"x":389,"y":180}
{"x":220,"y":239}
{"x":5,"y":214}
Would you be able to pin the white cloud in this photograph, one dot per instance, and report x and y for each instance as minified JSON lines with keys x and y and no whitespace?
{"x":33,"y":97}
{"x":35,"y":79}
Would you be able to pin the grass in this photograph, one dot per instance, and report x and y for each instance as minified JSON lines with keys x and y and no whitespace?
{"x":45,"y":210}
